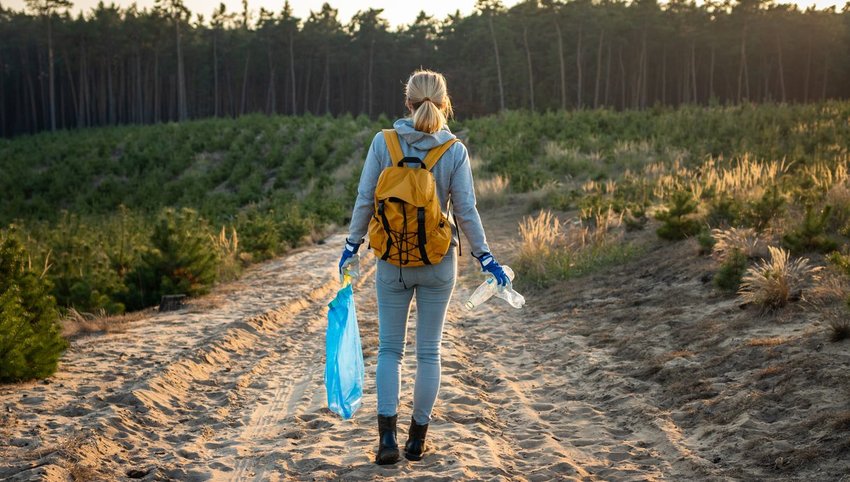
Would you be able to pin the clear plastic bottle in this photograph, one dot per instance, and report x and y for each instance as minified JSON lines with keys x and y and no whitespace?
{"x":489,"y":288}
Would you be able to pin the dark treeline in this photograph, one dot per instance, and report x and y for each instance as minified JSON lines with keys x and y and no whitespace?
{"x":113,"y":65}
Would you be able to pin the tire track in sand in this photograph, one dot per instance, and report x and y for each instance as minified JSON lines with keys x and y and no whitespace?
{"x":301,"y":385}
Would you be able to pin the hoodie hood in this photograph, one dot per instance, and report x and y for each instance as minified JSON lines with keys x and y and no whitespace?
{"x":421,"y":140}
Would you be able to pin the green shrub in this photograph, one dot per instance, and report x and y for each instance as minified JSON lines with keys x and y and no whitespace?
{"x":723,"y":210}
{"x":758,"y":214}
{"x":706,"y":242}
{"x":728,"y":277}
{"x":30,"y":339}
{"x":811,"y":234}
{"x":182,"y":260}
{"x":635,"y":218}
{"x":678,"y":220}
{"x":259,"y":233}
{"x":841,"y":261}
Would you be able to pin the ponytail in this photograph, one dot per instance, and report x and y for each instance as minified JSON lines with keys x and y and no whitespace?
{"x":427,"y":95}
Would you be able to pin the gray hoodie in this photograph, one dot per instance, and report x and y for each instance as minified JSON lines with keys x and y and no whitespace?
{"x":452,"y":173}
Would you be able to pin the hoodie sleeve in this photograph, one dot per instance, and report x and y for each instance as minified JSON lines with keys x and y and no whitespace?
{"x":462,"y":192}
{"x":364,"y":205}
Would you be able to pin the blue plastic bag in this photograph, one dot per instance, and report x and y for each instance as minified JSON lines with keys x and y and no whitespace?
{"x":343,"y":356}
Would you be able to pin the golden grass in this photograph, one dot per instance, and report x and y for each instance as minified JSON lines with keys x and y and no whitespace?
{"x":539,"y":235}
{"x":231,"y":261}
{"x":742,"y":240}
{"x":743,"y":179}
{"x":771,"y":284}
{"x":551,"y":249}
{"x":826,"y":176}
{"x":492,"y":192}
{"x":77,"y":323}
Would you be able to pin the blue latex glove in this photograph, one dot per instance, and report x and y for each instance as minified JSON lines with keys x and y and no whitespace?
{"x":490,"y":265}
{"x":347,"y":252}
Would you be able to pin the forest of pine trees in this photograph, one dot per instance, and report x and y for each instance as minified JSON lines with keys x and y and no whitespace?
{"x":114,"y":65}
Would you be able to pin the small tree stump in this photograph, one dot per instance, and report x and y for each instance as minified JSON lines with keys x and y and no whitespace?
{"x":171,"y":302}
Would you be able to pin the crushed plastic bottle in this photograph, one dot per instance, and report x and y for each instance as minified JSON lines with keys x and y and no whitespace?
{"x":489,"y":288}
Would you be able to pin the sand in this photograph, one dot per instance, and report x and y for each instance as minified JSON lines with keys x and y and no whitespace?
{"x":639,"y":372}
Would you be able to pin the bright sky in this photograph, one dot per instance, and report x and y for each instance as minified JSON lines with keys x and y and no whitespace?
{"x":395,"y":11}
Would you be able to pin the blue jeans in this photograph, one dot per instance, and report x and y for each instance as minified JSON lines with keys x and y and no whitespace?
{"x":433,"y":286}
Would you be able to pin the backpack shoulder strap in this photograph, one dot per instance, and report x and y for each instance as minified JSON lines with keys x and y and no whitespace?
{"x":391,"y":138}
{"x":436,"y":153}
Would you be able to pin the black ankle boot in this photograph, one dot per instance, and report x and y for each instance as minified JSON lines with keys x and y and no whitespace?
{"x":387,"y":444}
{"x":415,"y":447}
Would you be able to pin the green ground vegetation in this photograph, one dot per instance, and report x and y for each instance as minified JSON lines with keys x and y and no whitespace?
{"x":121,"y":215}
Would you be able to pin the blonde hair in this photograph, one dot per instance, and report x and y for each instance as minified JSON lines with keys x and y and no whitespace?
{"x":429,"y":99}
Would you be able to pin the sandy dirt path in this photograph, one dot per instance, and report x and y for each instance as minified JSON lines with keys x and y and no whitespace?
{"x":233,"y":390}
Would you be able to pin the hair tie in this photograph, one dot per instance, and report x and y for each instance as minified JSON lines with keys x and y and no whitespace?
{"x":428,"y":99}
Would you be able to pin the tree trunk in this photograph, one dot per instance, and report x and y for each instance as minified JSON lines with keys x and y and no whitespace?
{"x":664,"y":76}
{"x":563,"y":66}
{"x":685,"y":86}
{"x":711,"y":73}
{"x":808,"y":73}
{"x":183,"y":111}
{"x":82,"y":114}
{"x":328,"y":83}
{"x":70,"y":82}
{"x":498,"y":63}
{"x":644,"y":69}
{"x":140,"y":101}
{"x":694,"y":72}
{"x":743,"y":75}
{"x":369,"y":80}
{"x":598,"y":70}
{"x":825,"y":77}
{"x":578,"y":70}
{"x":215,"y":74}
{"x":292,"y":73}
{"x":530,"y":70}
{"x":110,"y":93}
{"x":243,"y":103}
{"x":307,"y":87}
{"x":622,"y":78}
{"x":270,"y":93}
{"x":33,"y":106}
{"x":781,"y":67}
{"x":607,"y":77}
{"x":156,"y":94}
{"x":51,"y":73}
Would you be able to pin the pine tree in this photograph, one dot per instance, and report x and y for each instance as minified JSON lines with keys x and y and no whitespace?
{"x":30,"y":334}
{"x":182,"y":260}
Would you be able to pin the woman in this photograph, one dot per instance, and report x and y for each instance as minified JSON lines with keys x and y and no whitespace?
{"x":427,"y":100}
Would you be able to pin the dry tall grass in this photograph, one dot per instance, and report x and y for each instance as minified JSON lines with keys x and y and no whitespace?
{"x":771,"y":284}
{"x":551,"y":249}
{"x":492,"y":192}
{"x":228,"y":252}
{"x":742,"y":240}
{"x":76,"y":323}
{"x":743,"y":179}
{"x":540,"y":235}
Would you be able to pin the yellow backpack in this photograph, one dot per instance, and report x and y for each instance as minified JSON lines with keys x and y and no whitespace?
{"x":408,"y":228}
